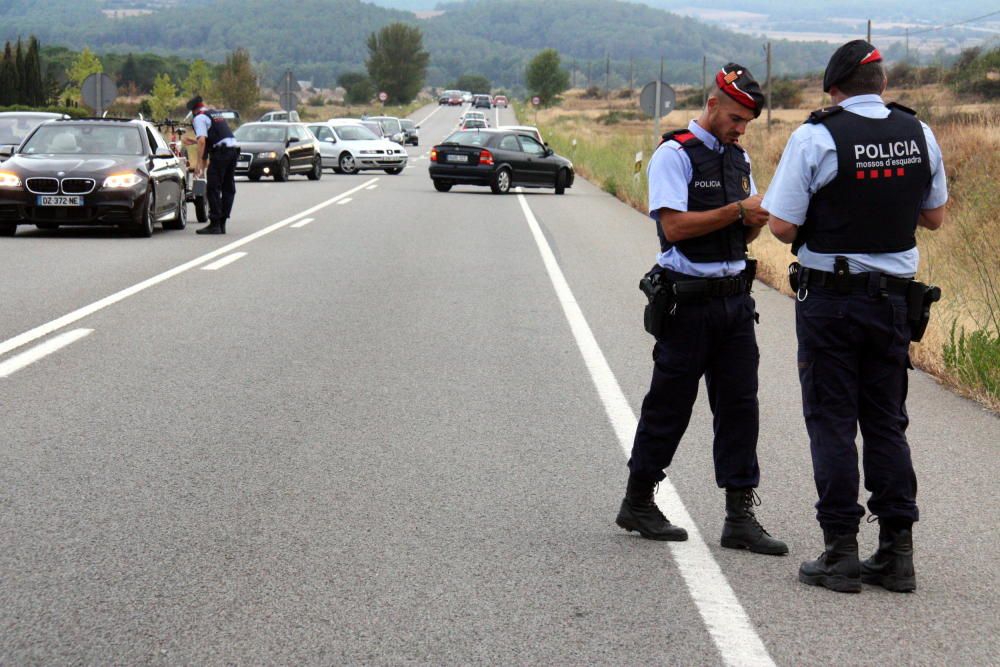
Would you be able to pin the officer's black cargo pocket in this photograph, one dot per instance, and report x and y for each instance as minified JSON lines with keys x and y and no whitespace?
{"x":807,"y":380}
{"x":899,"y":344}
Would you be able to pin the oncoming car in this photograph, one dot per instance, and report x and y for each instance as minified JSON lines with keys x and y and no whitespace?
{"x":93,"y":171}
{"x":500,"y":159}
{"x":347,"y":147}
{"x":278,"y":150}
{"x":16,"y":125}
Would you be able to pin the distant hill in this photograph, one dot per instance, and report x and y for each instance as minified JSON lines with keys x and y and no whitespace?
{"x":319,"y":39}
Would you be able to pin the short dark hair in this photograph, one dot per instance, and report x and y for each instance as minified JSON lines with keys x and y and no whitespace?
{"x":866,"y":79}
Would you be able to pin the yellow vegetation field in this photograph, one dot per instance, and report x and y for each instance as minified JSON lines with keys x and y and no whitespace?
{"x":963,"y":257}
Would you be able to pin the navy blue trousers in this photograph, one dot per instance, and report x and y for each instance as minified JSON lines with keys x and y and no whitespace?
{"x":220,"y":186}
{"x":853,"y":361}
{"x":715,"y":339}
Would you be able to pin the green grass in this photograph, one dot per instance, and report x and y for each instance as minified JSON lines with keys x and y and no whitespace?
{"x":975,"y":358}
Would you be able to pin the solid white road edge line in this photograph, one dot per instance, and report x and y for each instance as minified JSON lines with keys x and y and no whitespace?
{"x":225,"y":261}
{"x":370,"y":187}
{"x":724,"y":617}
{"x":78,"y":314}
{"x":344,"y":201}
{"x":303,"y":223}
{"x":30,"y":356}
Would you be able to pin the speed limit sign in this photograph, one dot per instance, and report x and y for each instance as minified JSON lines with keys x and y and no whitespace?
{"x":383,"y":96}
{"x":536,"y":100}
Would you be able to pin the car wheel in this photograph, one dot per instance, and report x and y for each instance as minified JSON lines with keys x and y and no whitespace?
{"x":180,"y":219}
{"x":8,"y":228}
{"x":500,"y":185}
{"x":394,"y":171}
{"x":316,"y":172}
{"x":254,"y":177}
{"x":200,"y":209}
{"x":144,"y":226}
{"x":441,"y":186}
{"x":561,"y":179}
{"x":281,"y":173}
{"x":347,"y":164}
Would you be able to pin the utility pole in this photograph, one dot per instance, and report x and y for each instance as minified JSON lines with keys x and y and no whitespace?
{"x":659,"y":105}
{"x":607,"y":80}
{"x":589,"y":64}
{"x":869,"y":31}
{"x":704,"y":81}
{"x":907,"y":45}
{"x":573,"y":70}
{"x":769,"y":85}
{"x":631,"y":78}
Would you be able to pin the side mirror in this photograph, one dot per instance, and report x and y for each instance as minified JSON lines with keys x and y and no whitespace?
{"x":548,"y":152}
{"x":6,"y":152}
{"x":163,"y":152}
{"x":291,"y":140}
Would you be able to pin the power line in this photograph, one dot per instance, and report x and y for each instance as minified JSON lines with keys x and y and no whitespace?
{"x":952,"y":25}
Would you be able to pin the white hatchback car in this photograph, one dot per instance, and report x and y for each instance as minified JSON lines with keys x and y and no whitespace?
{"x":347,"y":146}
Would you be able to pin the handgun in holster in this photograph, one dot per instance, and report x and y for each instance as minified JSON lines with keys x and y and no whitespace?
{"x":662,"y":301}
{"x":919,"y":298}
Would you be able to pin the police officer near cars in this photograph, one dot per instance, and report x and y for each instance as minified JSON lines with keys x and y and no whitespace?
{"x":705,"y":204}
{"x":219,"y":148}
{"x":853,"y":184}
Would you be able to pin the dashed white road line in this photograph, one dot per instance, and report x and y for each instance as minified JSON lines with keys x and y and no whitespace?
{"x":724,"y":617}
{"x":225,"y":261}
{"x":306,"y":221}
{"x":421,"y":122}
{"x":42,"y":350}
{"x":344,"y":201}
{"x":80,"y":313}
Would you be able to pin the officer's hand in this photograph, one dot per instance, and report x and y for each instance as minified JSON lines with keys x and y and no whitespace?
{"x":754,"y":215}
{"x":189,"y":141}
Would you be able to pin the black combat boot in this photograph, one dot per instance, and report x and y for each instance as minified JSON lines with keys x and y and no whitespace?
{"x":742,"y":530}
{"x":837,"y":568}
{"x":891,"y":567}
{"x":639,"y":512}
{"x":222,"y":225}
{"x":212,"y":228}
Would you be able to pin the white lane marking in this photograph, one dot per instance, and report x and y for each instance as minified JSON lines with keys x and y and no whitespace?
{"x":78,"y":314}
{"x":225,"y":261}
{"x":724,"y":617}
{"x":496,"y":111}
{"x":370,"y":187}
{"x":429,"y":115}
{"x":344,"y":201}
{"x":30,"y":356}
{"x":306,"y":221}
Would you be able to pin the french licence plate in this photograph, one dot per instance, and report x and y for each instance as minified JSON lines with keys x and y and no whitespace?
{"x":454,"y":157}
{"x":58,"y":200}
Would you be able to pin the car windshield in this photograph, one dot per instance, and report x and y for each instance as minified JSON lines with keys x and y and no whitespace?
{"x":260,"y":133}
{"x":468,"y":138}
{"x":390,"y":125}
{"x":407,"y":124}
{"x":474,"y":122}
{"x":354,"y":133}
{"x":374,"y":127}
{"x":89,"y":139}
{"x":13,"y":129}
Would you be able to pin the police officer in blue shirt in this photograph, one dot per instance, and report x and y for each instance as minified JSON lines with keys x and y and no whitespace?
{"x":704,"y":201}
{"x":216,"y":145}
{"x":853,"y":184}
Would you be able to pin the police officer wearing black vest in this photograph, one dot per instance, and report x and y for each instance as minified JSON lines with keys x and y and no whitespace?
{"x":219,"y":148}
{"x":854,"y":183}
{"x":704,"y":202}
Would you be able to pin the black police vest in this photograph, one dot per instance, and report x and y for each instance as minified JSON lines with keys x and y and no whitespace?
{"x":717,"y":179}
{"x":217,"y":131}
{"x":874,"y":202}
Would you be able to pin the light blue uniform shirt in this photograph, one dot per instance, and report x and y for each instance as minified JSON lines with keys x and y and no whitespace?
{"x":669,"y":173}
{"x":201,"y":123}
{"x":809,"y":162}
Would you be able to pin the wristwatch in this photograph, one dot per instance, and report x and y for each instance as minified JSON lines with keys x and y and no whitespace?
{"x":743,"y":211}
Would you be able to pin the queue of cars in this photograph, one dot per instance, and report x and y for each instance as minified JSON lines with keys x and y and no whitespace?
{"x":57,"y":171}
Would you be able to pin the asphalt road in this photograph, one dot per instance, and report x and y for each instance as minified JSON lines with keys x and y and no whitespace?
{"x":394,"y":435}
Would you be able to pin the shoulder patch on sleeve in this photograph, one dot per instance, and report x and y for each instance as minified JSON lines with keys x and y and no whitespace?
{"x":899,"y":107}
{"x":820,"y":115}
{"x":681,"y":137}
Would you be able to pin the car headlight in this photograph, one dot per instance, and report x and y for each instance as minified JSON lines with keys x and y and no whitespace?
{"x":9,"y":180}
{"x":269,"y":155}
{"x":118,"y":181}
{"x":367,"y":152}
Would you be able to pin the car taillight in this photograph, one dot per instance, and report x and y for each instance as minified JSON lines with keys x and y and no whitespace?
{"x":434,"y":155}
{"x":485,"y":157}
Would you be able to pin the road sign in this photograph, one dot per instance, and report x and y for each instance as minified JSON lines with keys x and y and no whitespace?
{"x":98,"y":92}
{"x":383,"y":96}
{"x":647,"y":99}
{"x":289,"y":101}
{"x":536,"y":100}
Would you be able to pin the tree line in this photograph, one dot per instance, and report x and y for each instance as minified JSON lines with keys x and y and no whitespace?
{"x":21,"y":75}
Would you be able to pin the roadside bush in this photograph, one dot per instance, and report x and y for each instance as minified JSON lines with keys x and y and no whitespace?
{"x":592,"y":93}
{"x":786,"y":93}
{"x":975,"y":358}
{"x":315,"y":101}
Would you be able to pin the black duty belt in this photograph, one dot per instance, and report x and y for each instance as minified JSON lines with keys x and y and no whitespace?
{"x":850,"y":282}
{"x":711,"y":287}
